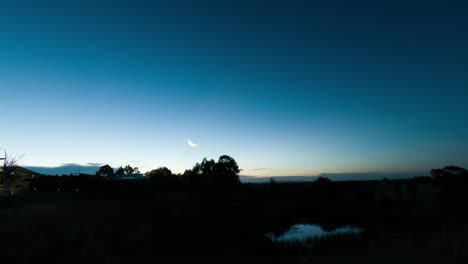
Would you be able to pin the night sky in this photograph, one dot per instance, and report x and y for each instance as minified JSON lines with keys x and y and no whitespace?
{"x":284,"y":87}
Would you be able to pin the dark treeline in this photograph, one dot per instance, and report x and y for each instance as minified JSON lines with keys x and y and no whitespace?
{"x":209,"y":175}
{"x":222,"y":175}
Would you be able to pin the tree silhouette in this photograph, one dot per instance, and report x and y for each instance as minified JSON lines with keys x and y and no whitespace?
{"x":120,"y":171}
{"x":226,"y":171}
{"x":272,"y":181}
{"x":127,"y":170}
{"x":213,"y":175}
{"x":162,"y":179}
{"x":105,"y":171}
{"x":160,"y":172}
{"x":451,"y":178}
{"x":323,"y":181}
{"x":326,"y":190}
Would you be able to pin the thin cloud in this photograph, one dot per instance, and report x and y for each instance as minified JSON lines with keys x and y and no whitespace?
{"x":93,"y":164}
{"x":260,"y":169}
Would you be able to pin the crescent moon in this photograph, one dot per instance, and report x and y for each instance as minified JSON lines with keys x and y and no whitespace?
{"x":191,"y":144}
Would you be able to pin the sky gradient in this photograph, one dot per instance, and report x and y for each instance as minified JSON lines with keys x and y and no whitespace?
{"x":284,"y":87}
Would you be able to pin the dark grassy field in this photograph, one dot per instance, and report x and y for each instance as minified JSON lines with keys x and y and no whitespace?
{"x":406,"y":221}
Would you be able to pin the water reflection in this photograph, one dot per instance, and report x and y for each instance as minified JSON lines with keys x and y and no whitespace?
{"x":304,"y":232}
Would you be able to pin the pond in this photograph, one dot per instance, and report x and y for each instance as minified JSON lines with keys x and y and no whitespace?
{"x":307,"y":232}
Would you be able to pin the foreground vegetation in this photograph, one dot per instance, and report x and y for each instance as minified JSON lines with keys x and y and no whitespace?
{"x":111,"y":221}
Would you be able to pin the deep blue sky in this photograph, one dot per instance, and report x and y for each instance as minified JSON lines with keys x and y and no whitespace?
{"x":285,"y":87}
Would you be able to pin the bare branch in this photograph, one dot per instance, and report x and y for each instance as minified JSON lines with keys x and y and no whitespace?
{"x":10,"y":162}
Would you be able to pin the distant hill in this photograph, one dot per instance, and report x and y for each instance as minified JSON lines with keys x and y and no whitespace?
{"x":20,"y":171}
{"x":252,"y":179}
{"x":333,"y":176}
{"x":66,"y":169}
{"x":370,"y":176}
